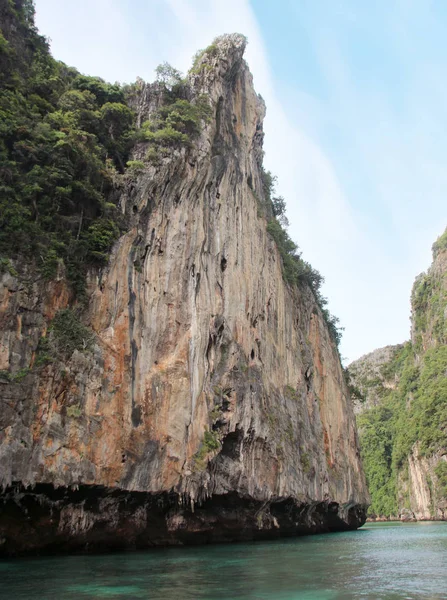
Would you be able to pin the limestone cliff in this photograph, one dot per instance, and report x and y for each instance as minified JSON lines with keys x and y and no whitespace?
{"x":403,"y":416}
{"x":370,"y":376}
{"x":208,"y":401}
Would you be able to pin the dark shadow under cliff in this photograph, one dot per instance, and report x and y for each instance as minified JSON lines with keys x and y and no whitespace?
{"x":45,"y":519}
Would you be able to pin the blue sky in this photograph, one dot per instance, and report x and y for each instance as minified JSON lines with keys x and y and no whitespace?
{"x":356,"y":124}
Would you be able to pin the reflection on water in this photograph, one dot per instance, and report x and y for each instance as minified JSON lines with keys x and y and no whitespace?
{"x":386,"y":560}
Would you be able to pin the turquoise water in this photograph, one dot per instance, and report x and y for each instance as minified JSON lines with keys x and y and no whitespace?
{"x":391,"y":560}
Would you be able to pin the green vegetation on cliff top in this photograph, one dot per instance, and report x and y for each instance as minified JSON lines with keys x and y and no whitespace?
{"x":65,"y":141}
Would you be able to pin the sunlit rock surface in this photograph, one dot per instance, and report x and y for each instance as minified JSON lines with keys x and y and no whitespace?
{"x":212,"y":406}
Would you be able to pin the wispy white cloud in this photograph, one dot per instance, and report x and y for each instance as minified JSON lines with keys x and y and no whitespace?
{"x":381,"y":121}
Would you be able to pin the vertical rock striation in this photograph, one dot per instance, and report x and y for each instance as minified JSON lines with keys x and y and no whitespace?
{"x":212,"y":404}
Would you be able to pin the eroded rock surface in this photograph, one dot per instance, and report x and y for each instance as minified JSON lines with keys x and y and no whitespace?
{"x":212,"y":405}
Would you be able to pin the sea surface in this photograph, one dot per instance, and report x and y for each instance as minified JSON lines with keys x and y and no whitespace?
{"x":381,"y":560}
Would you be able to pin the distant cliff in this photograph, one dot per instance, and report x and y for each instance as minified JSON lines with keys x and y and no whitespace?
{"x":402,"y":412}
{"x":161,"y":380}
{"x":371,"y":377}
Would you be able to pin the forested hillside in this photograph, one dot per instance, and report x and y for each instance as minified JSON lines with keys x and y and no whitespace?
{"x":403,"y":424}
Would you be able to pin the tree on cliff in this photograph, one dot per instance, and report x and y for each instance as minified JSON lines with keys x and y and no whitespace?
{"x":58,"y":130}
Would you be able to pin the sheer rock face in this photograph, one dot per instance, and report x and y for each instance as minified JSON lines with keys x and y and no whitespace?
{"x":428,"y":330}
{"x":421,"y":488}
{"x":195,"y":332}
